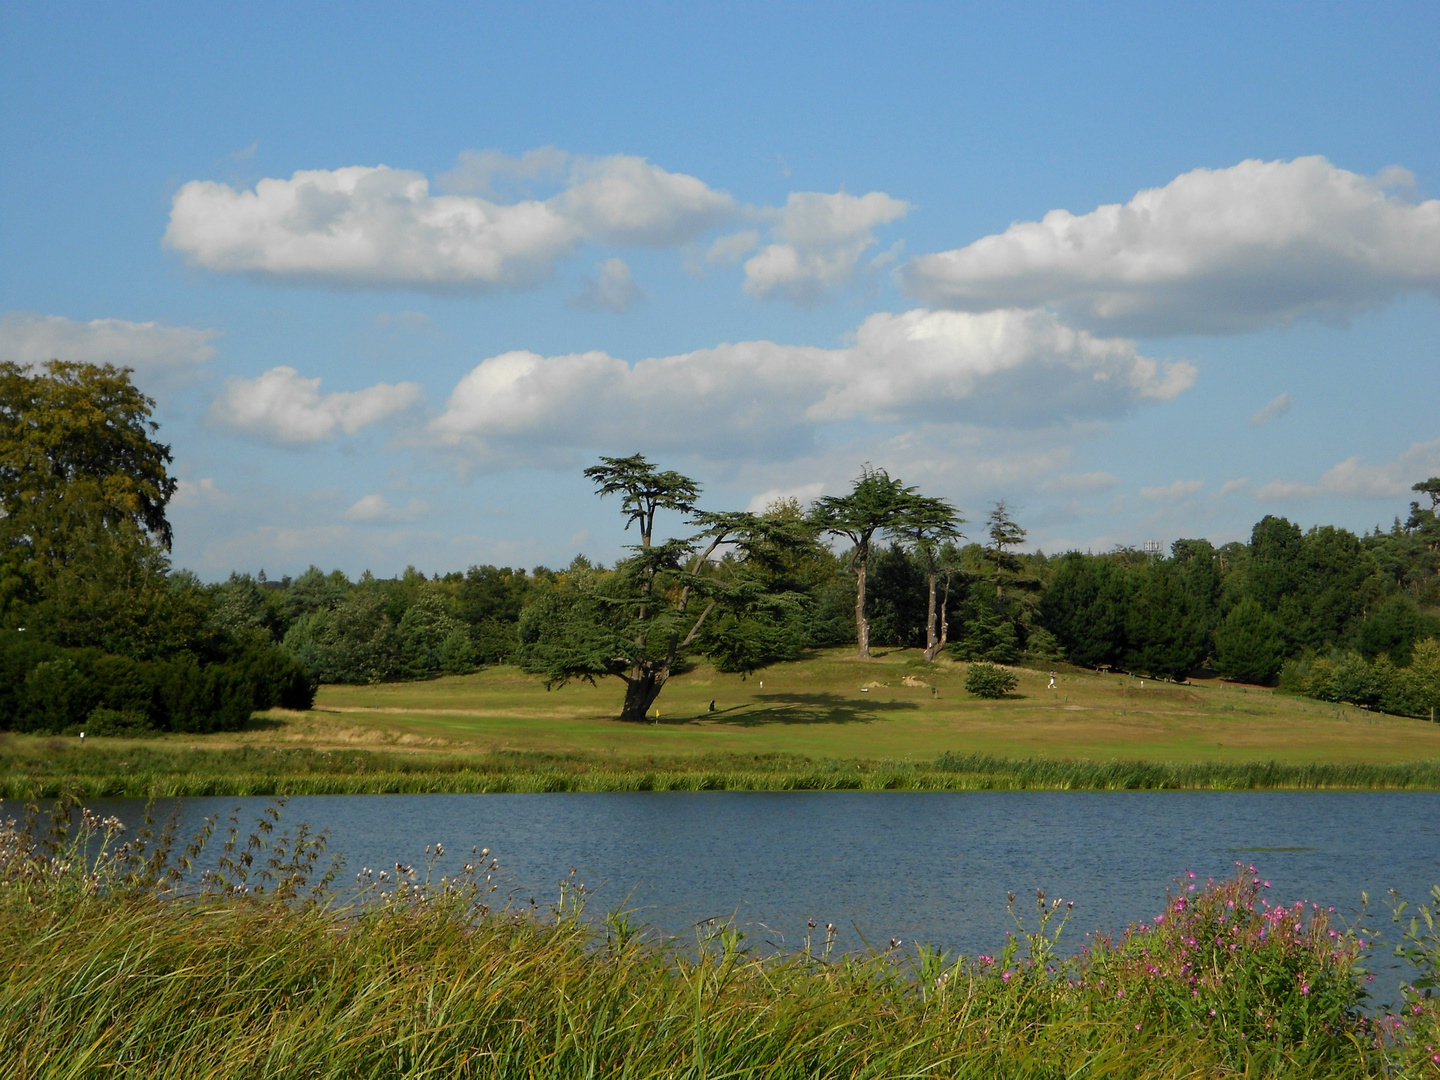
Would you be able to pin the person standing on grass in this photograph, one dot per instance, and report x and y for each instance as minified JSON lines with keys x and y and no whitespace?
{"x":1052,"y":680}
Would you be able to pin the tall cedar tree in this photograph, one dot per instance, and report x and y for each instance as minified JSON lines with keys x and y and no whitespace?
{"x":877,"y":503}
{"x":639,"y":622}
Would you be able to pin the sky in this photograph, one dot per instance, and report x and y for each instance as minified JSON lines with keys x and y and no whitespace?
{"x":395,"y":274}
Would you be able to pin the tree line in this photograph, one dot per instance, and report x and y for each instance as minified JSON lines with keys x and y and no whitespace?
{"x":97,"y":628}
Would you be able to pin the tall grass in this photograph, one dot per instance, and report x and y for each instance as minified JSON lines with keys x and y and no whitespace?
{"x":98,"y":771}
{"x":117,"y":960}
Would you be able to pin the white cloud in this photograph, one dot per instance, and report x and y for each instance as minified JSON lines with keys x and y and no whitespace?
{"x":628,"y":202}
{"x":614,"y":290}
{"x":759,"y":399}
{"x":199,"y":492}
{"x":1275,"y":409}
{"x":804,"y":494}
{"x":1234,"y":485}
{"x":729,"y":250}
{"x":477,"y":171}
{"x":1178,"y":489}
{"x":1215,"y":250}
{"x":362,"y":226}
{"x":151,"y":348}
{"x":1393,"y":479}
{"x":1354,"y":479}
{"x":819,"y":241}
{"x":487,"y":228}
{"x":375,"y":508}
{"x":376,"y":226}
{"x":283,"y":406}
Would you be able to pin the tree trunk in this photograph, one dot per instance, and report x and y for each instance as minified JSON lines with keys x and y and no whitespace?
{"x":945,"y":614}
{"x":932,"y":642}
{"x":862,"y":624}
{"x":640,"y":693}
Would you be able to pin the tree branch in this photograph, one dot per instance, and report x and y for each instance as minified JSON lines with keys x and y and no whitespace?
{"x":695,"y":630}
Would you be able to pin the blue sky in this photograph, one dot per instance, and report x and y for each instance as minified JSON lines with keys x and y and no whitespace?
{"x":1145,"y":271}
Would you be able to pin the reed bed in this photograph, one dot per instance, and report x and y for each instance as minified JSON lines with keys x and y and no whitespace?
{"x":117,"y":960}
{"x":99,"y":771}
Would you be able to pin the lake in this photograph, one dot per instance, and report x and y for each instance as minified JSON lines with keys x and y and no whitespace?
{"x":933,"y":867}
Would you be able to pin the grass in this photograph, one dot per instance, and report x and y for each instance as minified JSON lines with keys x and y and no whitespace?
{"x":110,"y":967}
{"x":828,"y":721}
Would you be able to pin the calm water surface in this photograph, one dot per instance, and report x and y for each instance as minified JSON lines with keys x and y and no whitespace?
{"x":928,"y":866}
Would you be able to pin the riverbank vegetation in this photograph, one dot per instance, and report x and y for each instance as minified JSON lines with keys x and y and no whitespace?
{"x":120,"y":957}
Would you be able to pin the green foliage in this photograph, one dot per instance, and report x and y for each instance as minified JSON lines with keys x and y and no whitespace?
{"x":432,"y":640}
{"x":1377,"y":684}
{"x":1249,"y":644}
{"x":989,"y":681}
{"x":50,"y":689}
{"x":82,"y":425}
{"x":353,"y":642}
{"x":895,"y":598}
{"x":1085,"y":607}
{"x":990,"y":632}
{"x":877,"y":503}
{"x":637,"y":622}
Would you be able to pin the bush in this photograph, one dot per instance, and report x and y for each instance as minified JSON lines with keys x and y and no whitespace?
{"x":45,"y":689}
{"x":117,"y":723}
{"x":989,"y":681}
{"x":1379,"y":684}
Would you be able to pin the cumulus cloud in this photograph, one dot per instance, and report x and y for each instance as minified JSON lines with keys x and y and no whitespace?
{"x":729,"y":250}
{"x":760,"y":399}
{"x":151,"y":348}
{"x":378,"y":226}
{"x":1275,"y":409}
{"x":1214,"y":251}
{"x":819,"y":240}
{"x":283,"y":406}
{"x":367,"y":226}
{"x":1392,"y":479}
{"x":486,"y":172}
{"x":372,"y":509}
{"x":1178,"y":489}
{"x":613,"y":290}
{"x":1354,"y":479}
{"x":1234,"y":485}
{"x":627,"y":202}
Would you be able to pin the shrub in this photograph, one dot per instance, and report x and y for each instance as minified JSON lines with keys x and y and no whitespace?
{"x":989,"y":681}
{"x":47,"y":689}
{"x":117,"y":723}
{"x":1349,"y":677}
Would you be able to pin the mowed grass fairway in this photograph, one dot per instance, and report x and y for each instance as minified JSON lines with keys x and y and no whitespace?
{"x":833,"y":706}
{"x":829,"y":721}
